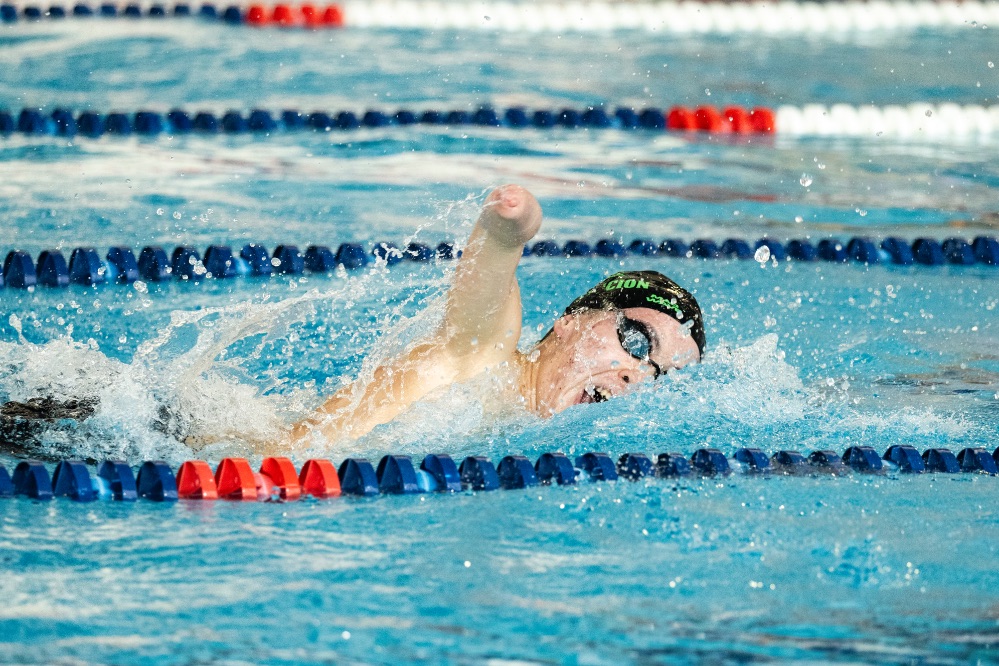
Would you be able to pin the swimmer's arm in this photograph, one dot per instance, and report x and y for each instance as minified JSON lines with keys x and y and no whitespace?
{"x":483,"y":304}
{"x":482,"y":310}
{"x":355,"y":410}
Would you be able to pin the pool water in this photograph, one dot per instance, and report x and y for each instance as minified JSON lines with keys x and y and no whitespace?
{"x":801,"y":356}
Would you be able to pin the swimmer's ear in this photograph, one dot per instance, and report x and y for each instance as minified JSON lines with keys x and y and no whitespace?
{"x":564,"y":325}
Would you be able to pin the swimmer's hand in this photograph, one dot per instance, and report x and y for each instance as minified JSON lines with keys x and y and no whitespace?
{"x":510,"y":216}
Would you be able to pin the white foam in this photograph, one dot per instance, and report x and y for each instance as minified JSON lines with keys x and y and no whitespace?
{"x":753,"y":384}
{"x":189,"y":391}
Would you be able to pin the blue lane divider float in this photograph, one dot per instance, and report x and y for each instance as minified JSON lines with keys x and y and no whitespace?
{"x":398,"y":475}
{"x":11,"y":13}
{"x":358,"y":477}
{"x":32,"y":479}
{"x":712,"y":462}
{"x":754,"y":460}
{"x":155,"y":481}
{"x":6,"y":484}
{"x":941,"y":460}
{"x":555,"y":468}
{"x":516,"y":472}
{"x":71,"y":479}
{"x":633,"y":466}
{"x":120,"y":265}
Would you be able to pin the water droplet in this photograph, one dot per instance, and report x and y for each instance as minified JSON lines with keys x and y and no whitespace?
{"x":821,"y":165}
{"x":707,"y":91}
{"x":991,"y":64}
{"x":799,"y":219}
{"x":159,"y":211}
{"x":805,"y":180}
{"x":929,"y":113}
{"x":140,"y":286}
{"x":861,"y":212}
{"x":177,"y":216}
{"x":762,"y":254}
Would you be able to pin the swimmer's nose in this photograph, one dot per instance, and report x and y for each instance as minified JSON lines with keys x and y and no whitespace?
{"x":634,"y":376}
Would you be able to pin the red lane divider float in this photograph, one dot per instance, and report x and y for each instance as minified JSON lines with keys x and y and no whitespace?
{"x":234,"y":479}
{"x":283,"y":479}
{"x":195,"y":480}
{"x":320,"y":479}
{"x":732,"y":119}
{"x":307,"y":15}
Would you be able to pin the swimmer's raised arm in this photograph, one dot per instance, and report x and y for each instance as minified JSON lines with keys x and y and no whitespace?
{"x":480,"y":329}
{"x":483,"y":307}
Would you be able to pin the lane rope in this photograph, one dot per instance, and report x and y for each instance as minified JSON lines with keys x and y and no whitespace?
{"x":121,"y":265}
{"x":919,"y":121}
{"x":278,"y":480}
{"x":676,"y":18}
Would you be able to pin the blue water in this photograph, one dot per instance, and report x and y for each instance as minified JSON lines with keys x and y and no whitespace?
{"x":801,"y":356}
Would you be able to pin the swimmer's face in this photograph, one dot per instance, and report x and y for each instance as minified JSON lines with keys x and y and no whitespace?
{"x":601,"y":354}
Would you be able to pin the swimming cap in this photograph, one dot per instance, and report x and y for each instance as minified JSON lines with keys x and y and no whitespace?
{"x":644,"y":289}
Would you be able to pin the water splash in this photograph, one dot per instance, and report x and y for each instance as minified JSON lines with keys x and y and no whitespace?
{"x":227,"y":380}
{"x":191,"y":391}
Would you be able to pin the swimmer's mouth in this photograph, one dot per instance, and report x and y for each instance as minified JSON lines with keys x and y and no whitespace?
{"x":594,"y":394}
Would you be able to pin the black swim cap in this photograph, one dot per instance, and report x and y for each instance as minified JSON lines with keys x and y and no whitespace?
{"x":644,"y":289}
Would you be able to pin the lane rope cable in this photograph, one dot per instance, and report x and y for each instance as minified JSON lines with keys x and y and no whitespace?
{"x":676,"y":18}
{"x":916,"y":121}
{"x":121,"y":265}
{"x":278,"y":480}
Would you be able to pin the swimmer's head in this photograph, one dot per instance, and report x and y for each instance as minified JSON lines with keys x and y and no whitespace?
{"x":631,"y":327}
{"x":645,"y":289}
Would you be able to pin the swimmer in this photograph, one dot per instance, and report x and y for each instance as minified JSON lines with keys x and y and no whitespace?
{"x":631,"y":328}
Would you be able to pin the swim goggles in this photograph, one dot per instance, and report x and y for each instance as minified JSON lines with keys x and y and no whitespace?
{"x":636,"y":339}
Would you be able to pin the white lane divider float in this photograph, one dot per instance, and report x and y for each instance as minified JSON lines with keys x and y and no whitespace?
{"x":783,"y":17}
{"x":917,"y":120}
